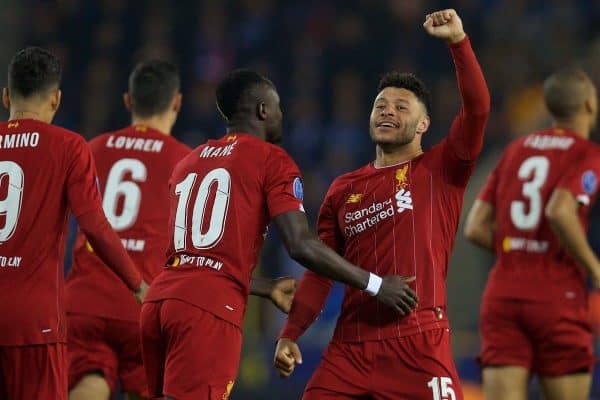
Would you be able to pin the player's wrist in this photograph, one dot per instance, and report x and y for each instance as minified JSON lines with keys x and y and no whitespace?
{"x":374,"y":284}
{"x":456,"y":38}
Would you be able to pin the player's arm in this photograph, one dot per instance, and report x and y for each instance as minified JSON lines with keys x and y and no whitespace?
{"x":84,"y":200}
{"x":480,"y":227}
{"x":481,"y":224}
{"x":466,"y":133}
{"x":280,"y":291}
{"x":562,"y":214}
{"x":307,"y":249}
{"x":311,"y":295}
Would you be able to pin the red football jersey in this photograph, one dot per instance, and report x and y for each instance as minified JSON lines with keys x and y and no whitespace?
{"x":45,"y":170}
{"x":530,"y":262}
{"x":223,"y":196}
{"x":399,"y":219}
{"x":134,"y":165}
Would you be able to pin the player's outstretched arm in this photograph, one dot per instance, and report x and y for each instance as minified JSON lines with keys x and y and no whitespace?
{"x":481,"y":224}
{"x":307,"y":249}
{"x":280,"y":291}
{"x":468,"y":128}
{"x":562,"y":215}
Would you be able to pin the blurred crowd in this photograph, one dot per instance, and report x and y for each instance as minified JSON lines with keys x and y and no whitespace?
{"x":326,"y":58}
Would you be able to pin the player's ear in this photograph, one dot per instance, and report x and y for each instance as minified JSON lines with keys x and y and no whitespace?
{"x":55,"y":99}
{"x":261,"y":111}
{"x":6,"y":98}
{"x":423,"y":124}
{"x":176,"y":104}
{"x":127,"y":101}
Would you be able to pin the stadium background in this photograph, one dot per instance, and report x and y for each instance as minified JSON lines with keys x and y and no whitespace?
{"x":326,"y":58}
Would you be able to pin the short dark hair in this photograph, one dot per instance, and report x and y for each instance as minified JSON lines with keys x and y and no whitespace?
{"x":565,"y":91}
{"x":236,"y":89}
{"x":32,"y":71}
{"x":408,"y":81}
{"x":152,"y":86}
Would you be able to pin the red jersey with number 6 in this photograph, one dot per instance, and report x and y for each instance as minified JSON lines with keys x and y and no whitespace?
{"x":530,"y":262}
{"x":223,"y":196}
{"x":134,"y":165}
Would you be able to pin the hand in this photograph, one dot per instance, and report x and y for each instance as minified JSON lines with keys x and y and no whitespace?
{"x":140,"y":294}
{"x":395,"y":293}
{"x":445,"y":24}
{"x":282,"y":293}
{"x":287,"y":355}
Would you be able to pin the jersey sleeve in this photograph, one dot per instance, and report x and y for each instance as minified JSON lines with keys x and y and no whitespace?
{"x":313,"y":289}
{"x":465,"y":139}
{"x":582,"y":179}
{"x":83,"y":194}
{"x":283,"y":184}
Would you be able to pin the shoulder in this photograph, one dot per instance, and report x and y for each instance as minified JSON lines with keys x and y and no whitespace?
{"x":341,"y":183}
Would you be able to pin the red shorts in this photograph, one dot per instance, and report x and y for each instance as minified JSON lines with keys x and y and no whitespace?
{"x":188,"y":353}
{"x":110,"y":347}
{"x":549,"y":339}
{"x":33,"y":372}
{"x":411,"y":367}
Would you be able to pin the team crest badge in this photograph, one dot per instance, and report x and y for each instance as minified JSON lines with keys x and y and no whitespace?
{"x":401,"y":178}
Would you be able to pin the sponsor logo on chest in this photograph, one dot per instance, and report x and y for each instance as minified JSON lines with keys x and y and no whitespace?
{"x":368,"y":215}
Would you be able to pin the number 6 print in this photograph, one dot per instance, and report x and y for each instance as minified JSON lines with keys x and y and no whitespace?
{"x":219,"y":209}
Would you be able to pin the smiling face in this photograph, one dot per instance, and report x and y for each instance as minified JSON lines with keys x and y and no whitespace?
{"x":397,"y":117}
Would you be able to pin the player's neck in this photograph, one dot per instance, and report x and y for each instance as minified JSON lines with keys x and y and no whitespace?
{"x":160,"y":124}
{"x":392,"y":156}
{"x":578,"y":126}
{"x":246,"y":127}
{"x":25,"y":113}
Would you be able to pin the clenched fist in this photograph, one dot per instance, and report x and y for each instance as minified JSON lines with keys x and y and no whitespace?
{"x":445,"y":24}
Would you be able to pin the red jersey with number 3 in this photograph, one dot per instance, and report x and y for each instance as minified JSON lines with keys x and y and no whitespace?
{"x":134,"y":166}
{"x":45,"y":170}
{"x":223,"y":196}
{"x":531,"y":263}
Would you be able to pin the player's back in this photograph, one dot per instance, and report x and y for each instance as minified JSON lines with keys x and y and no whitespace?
{"x":134,"y":165}
{"x":44,"y":169}
{"x":529,"y":256}
{"x":223,"y":196}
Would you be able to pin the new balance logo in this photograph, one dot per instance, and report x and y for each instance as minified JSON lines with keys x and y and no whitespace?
{"x":403,"y":200}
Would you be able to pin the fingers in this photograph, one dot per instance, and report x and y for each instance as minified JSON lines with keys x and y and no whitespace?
{"x":439,"y":18}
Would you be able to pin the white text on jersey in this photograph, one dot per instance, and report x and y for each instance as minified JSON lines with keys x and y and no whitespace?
{"x":209,"y":151}
{"x":18,"y":140}
{"x":549,"y":142}
{"x":133,"y":143}
{"x":11,"y":262}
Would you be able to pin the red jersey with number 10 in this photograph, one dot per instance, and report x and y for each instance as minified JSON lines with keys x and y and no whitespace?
{"x":530,"y":261}
{"x":223,"y":196}
{"x":134,"y":165}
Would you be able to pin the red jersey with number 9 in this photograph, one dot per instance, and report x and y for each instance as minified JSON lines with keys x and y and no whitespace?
{"x":134,"y":165}
{"x":223,"y":196}
{"x":530,"y":262}
{"x":45,"y":170}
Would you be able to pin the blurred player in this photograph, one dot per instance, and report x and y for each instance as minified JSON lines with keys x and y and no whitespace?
{"x":534,"y":315}
{"x":398,"y":214}
{"x":44,"y":172}
{"x":223,"y":196}
{"x":134,"y":165}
